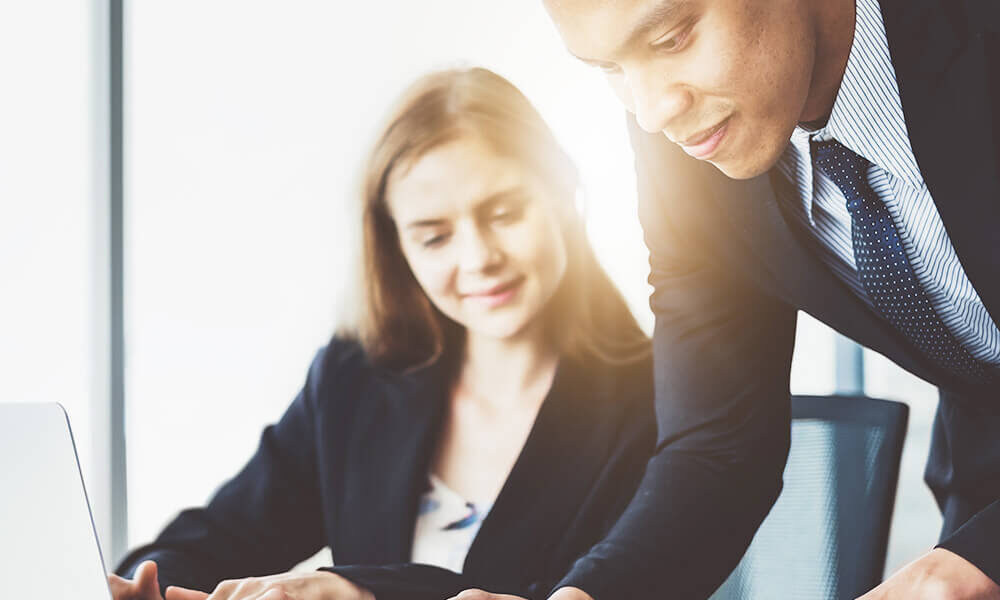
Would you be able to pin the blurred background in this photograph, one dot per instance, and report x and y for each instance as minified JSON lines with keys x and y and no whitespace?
{"x":243,"y":128}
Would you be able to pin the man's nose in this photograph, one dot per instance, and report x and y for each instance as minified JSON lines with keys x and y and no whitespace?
{"x":656,"y":100}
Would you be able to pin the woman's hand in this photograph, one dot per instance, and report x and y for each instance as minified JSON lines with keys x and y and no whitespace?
{"x":144,"y":587}
{"x":564,"y":593}
{"x":318,"y":585}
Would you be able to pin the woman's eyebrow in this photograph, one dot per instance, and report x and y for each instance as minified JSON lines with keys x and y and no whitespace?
{"x":512,"y":192}
{"x":484,"y":204}
{"x":425,"y":223}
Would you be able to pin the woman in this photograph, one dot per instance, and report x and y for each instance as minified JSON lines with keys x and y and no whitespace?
{"x":488,"y":420}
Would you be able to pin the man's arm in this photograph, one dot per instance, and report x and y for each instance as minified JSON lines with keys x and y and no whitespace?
{"x":722,"y":355}
{"x":963,"y":471}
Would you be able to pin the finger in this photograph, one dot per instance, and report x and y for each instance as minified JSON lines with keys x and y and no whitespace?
{"x":178,"y":593}
{"x":268,"y":594}
{"x":120,"y":587}
{"x":570,"y":593}
{"x":484,"y":595}
{"x":250,"y":588}
{"x":147,"y":579}
{"x":228,"y":590}
{"x":473,"y":595}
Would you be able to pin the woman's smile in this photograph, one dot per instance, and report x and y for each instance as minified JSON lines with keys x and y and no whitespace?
{"x":497,"y":295}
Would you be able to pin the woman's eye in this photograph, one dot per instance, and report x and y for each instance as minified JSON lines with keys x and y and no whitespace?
{"x":508,"y":215}
{"x":434,"y":241}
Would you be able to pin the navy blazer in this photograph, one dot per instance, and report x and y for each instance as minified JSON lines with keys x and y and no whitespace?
{"x":730,"y":270}
{"x":347,"y":463}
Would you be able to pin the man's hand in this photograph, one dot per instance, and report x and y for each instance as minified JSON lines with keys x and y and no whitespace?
{"x":937,"y":575}
{"x":319,"y":585}
{"x":566,"y":593}
{"x":144,"y":587}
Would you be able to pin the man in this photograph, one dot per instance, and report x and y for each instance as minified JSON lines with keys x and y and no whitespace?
{"x":860,"y":140}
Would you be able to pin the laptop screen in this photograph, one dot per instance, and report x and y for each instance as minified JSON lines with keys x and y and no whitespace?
{"x":48,"y":546}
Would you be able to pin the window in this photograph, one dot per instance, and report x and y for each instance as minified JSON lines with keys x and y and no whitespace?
{"x":52,"y":253}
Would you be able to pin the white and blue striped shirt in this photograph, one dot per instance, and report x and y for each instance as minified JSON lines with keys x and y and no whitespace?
{"x":867,"y":118}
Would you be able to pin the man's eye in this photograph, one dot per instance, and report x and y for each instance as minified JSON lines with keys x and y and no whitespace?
{"x":668,"y":44}
{"x":608,"y":68}
{"x":672,"y":41}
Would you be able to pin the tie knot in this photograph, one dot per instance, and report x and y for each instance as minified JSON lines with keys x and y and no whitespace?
{"x":845,"y":168}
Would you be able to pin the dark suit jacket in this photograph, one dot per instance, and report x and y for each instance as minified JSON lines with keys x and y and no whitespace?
{"x":730,"y":271}
{"x":347,"y":463}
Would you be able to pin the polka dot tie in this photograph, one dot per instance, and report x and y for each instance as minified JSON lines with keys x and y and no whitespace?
{"x":884,"y":268}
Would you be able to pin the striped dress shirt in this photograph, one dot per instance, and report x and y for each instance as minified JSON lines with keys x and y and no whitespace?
{"x":867,"y":118}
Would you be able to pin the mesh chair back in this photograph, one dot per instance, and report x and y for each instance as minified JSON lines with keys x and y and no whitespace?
{"x":825,"y":538}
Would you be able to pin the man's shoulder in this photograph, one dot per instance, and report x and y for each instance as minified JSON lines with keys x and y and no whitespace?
{"x":915,"y":27}
{"x":972,"y":16}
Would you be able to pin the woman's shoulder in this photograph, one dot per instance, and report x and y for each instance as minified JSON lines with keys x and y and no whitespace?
{"x":342,"y":356}
{"x":339,"y":368}
{"x":343,"y":374}
{"x":342,"y":351}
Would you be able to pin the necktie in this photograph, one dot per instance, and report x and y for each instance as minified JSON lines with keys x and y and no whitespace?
{"x":883,"y":267}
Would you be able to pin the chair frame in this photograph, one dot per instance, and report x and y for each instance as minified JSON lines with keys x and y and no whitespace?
{"x":893,"y":416}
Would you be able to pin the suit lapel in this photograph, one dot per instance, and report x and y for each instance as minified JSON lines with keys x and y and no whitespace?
{"x":553,"y":474}
{"x":777,"y":255}
{"x":944,"y":68}
{"x":392,"y":440}
{"x":795,"y":272}
{"x":938,"y":73}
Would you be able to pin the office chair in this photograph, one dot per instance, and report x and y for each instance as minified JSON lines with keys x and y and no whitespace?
{"x":826,"y":536}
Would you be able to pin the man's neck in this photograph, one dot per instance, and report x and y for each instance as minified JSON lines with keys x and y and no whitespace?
{"x":834,"y":23}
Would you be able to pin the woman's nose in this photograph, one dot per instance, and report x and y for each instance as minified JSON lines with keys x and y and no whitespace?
{"x":479,"y":251}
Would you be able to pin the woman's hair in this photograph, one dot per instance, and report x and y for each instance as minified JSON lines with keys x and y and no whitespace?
{"x":398,"y":326}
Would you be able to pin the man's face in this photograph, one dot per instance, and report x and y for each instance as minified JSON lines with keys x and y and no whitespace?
{"x":727,"y":80}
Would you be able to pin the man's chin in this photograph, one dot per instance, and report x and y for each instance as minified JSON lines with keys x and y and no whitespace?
{"x":742,"y":169}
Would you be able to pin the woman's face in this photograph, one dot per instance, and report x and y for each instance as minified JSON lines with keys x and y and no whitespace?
{"x":479,"y":233}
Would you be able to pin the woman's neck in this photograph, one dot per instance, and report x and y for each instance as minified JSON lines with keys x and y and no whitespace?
{"x":509,"y":371}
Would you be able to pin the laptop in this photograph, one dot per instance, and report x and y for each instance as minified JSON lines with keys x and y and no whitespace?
{"x":48,"y":544}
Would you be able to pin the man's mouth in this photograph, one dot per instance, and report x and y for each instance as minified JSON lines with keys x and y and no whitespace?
{"x":704,"y":143}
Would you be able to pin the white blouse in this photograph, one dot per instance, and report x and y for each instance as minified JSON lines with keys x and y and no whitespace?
{"x":446,"y":525}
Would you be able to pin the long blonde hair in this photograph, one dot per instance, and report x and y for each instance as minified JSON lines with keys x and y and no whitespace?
{"x":398,"y":326}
